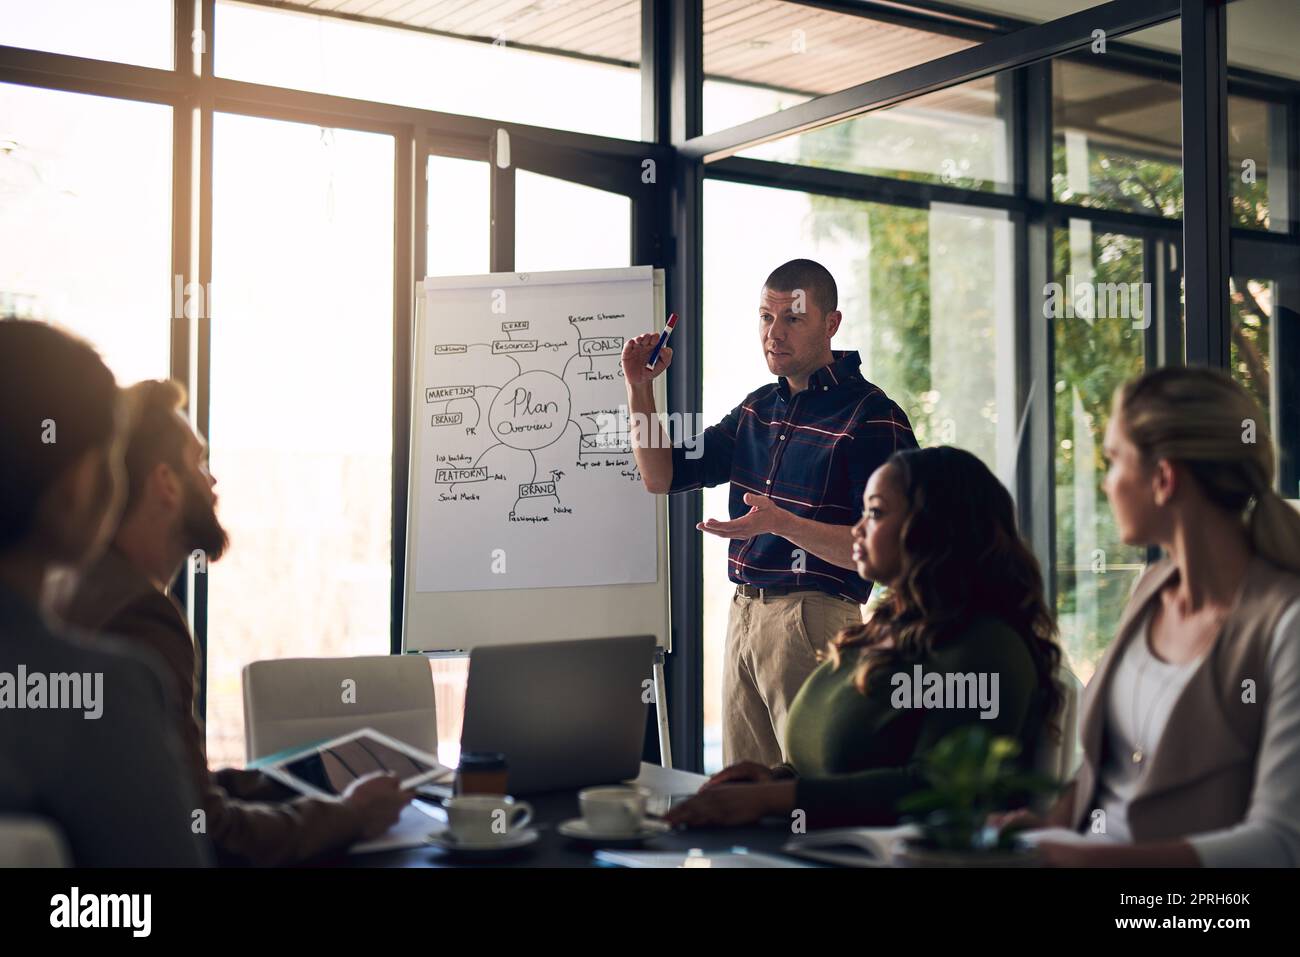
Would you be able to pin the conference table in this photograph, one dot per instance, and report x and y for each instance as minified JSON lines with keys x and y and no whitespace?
{"x":553,"y":849}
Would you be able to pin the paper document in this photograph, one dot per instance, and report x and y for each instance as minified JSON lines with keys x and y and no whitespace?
{"x":410,"y":830}
{"x":663,"y":780}
{"x":693,"y":858}
{"x":1059,"y":835}
{"x":852,"y":846}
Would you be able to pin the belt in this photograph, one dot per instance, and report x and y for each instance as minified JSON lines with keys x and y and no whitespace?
{"x":777,"y":591}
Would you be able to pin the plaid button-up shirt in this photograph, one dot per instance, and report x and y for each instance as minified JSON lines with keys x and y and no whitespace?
{"x":812,"y":453}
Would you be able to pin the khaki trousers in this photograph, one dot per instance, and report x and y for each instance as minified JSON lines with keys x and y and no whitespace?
{"x":772,"y":647}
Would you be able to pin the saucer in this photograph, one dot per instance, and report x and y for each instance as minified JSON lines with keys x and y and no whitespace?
{"x":512,"y":841}
{"x":578,"y":829}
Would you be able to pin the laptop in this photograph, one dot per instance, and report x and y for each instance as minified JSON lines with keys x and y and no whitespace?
{"x":566,"y":714}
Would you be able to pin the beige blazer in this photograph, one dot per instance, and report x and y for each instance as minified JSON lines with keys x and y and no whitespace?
{"x":1202,"y":772}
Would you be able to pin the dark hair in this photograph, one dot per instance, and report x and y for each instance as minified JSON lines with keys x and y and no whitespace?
{"x":57,"y":402}
{"x":157,"y":435}
{"x":810,"y":276}
{"x":961,"y":559}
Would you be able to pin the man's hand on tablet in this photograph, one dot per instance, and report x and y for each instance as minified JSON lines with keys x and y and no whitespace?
{"x":378,"y":800}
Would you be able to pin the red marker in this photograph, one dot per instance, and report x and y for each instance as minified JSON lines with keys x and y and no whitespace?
{"x":663,"y":341}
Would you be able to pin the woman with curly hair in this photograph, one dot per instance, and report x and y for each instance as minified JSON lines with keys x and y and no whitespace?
{"x":963,"y":638}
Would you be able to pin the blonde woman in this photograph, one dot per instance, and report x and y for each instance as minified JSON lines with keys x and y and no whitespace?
{"x":1191,"y":724}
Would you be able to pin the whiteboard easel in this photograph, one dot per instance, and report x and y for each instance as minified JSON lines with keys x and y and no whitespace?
{"x":556,"y":327}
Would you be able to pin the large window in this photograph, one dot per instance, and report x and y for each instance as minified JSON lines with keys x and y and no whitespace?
{"x":1251,"y":345}
{"x":927,"y":302}
{"x":545,"y":64}
{"x":1257,"y":163}
{"x":1099,"y":310}
{"x":92,"y":28}
{"x":1264,"y":291}
{"x":563,"y":225}
{"x":761,"y":56}
{"x":301,"y":421}
{"x":85,"y":222}
{"x":1116,"y":147}
{"x":1263,"y":39}
{"x":1118,"y":137}
{"x":957,"y":137}
{"x":459,"y":216}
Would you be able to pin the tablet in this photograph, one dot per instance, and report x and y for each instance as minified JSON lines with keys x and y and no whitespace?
{"x":327,"y":769}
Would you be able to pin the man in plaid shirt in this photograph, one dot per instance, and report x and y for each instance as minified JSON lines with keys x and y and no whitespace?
{"x":797,"y":453}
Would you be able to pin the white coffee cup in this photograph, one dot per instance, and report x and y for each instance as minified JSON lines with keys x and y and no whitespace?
{"x":485,"y":818}
{"x":613,"y":810}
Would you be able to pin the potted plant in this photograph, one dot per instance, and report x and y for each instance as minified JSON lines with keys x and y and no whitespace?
{"x":971,"y":774}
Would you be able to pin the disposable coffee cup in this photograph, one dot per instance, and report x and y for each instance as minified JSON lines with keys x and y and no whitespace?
{"x":482,"y":772}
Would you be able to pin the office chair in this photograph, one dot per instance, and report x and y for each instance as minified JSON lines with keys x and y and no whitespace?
{"x":31,"y":842}
{"x":289,"y":702}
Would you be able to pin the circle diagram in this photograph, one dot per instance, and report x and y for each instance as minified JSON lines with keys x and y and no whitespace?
{"x":531,"y":410}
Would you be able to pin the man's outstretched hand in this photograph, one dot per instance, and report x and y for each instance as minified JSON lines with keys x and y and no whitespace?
{"x":764,"y":516}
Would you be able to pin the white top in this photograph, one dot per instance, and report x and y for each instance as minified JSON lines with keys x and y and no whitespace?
{"x":1270,"y":834}
{"x":1143,"y":691}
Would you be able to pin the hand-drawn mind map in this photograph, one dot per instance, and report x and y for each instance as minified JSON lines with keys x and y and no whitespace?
{"x":530,"y":413}
{"x":526,"y":451}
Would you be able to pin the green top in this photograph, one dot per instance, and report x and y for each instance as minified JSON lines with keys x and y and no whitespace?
{"x":856,"y":755}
